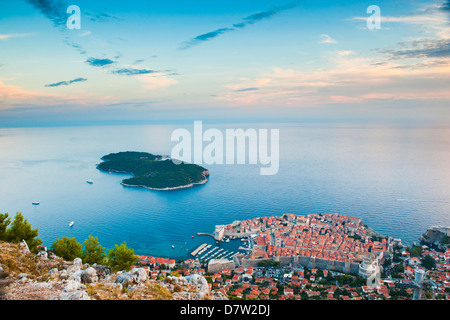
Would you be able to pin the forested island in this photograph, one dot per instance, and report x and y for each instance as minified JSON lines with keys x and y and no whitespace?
{"x":153,"y":172}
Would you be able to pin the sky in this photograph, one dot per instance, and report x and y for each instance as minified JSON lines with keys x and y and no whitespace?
{"x":235,"y":61}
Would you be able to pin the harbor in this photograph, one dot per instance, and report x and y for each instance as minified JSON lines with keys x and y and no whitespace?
{"x":228,"y":248}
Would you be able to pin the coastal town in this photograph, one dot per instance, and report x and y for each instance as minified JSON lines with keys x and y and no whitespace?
{"x":316,"y":256}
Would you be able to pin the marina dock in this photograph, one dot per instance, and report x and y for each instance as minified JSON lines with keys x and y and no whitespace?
{"x":194,"y":253}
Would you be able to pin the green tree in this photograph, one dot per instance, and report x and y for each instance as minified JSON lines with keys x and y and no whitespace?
{"x":121,"y":257}
{"x":428,"y":262}
{"x":67,"y":248}
{"x":445,"y":240}
{"x":416,"y":251}
{"x":269,"y":263}
{"x":4,"y":222}
{"x":93,"y":252}
{"x":396,"y":270}
{"x":21,"y":230}
{"x":397,"y":257}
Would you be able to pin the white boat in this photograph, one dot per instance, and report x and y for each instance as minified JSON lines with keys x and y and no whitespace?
{"x":90,"y":181}
{"x":71,"y":223}
{"x":173,"y":247}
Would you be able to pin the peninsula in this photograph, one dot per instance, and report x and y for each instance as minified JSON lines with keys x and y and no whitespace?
{"x":153,"y":172}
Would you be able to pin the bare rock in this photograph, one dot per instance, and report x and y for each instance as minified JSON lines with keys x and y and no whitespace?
{"x":135,"y":276}
{"x":89,"y":275}
{"x":102,"y":271}
{"x":23,"y":246}
{"x":76,"y":266}
{"x":72,"y":285}
{"x":53,"y":273}
{"x":75,"y":295}
{"x":200,"y":283}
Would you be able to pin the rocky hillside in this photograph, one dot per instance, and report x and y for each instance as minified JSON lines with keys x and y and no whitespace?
{"x":25,"y":276}
{"x":437,"y":237}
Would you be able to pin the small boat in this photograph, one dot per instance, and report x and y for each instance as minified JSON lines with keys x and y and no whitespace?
{"x":35,"y":203}
{"x":173,"y":247}
{"x":71,"y":223}
{"x":90,"y":181}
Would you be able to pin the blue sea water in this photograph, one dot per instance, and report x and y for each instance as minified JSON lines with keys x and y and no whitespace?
{"x":396,"y":179}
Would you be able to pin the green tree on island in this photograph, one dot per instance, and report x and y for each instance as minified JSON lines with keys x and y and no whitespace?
{"x":93,"y":252}
{"x":19,"y":230}
{"x":67,"y":248}
{"x":121,"y":257}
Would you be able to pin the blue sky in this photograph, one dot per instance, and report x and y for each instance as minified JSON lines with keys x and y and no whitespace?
{"x":232,"y":60}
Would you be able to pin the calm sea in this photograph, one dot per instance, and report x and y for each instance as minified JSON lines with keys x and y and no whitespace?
{"x":396,"y":179}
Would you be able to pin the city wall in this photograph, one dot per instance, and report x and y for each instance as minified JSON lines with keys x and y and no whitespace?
{"x":228,"y":233}
{"x":310,"y":262}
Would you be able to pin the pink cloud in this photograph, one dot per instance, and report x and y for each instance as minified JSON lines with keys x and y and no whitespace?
{"x":11,"y":96}
{"x":352,"y":79}
{"x":156,"y":81}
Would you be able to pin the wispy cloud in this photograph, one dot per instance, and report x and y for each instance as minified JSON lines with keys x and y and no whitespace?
{"x":156,"y":81}
{"x":132,"y":71}
{"x":267,"y":14}
{"x":446,"y":6}
{"x":205,"y":37}
{"x":53,"y":10}
{"x":416,"y":69}
{"x":246,"y":89}
{"x":431,"y":19}
{"x":100,"y":17}
{"x":12,"y":96}
{"x":56,"y":12}
{"x":65,"y":83}
{"x":99,"y":62}
{"x":324,"y":38}
{"x":14,"y":35}
{"x":351,"y":79}
{"x":85,"y":33}
{"x":421,"y":48}
{"x":431,"y":45}
{"x":74,"y":45}
{"x":251,"y":19}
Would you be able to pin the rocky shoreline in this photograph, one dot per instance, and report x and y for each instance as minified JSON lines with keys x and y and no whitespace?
{"x":205,"y":174}
{"x":168,"y":188}
{"x":437,"y":237}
